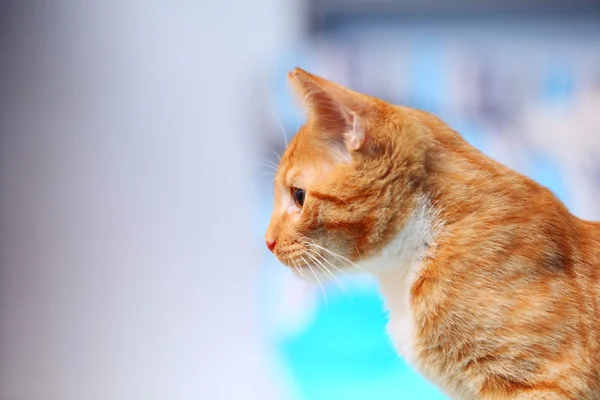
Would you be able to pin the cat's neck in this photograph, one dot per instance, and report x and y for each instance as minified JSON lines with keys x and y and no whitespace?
{"x":413,"y":242}
{"x":466,"y":186}
{"x":397,"y":267}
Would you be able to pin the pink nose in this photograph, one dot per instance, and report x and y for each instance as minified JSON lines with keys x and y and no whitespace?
{"x":271,"y":244}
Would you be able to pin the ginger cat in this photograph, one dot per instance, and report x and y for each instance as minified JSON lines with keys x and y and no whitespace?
{"x":492,"y":286}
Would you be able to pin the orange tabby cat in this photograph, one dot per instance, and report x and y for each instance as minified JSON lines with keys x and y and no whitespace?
{"x":492,"y":286}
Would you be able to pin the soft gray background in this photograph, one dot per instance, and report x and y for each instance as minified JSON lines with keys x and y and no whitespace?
{"x":128,"y":267}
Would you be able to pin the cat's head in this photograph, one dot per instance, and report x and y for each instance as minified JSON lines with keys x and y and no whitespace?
{"x":348,"y":181}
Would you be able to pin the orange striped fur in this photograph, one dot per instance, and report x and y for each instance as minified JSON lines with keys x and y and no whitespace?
{"x":492,"y":285}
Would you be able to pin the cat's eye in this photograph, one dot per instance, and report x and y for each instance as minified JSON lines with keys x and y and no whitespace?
{"x":298,"y":195}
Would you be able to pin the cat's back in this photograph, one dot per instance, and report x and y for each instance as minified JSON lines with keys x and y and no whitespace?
{"x":590,"y":245}
{"x":589,"y":276}
{"x":518,"y":291}
{"x":514,"y":282}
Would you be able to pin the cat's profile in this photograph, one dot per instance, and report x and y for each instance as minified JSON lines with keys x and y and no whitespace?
{"x":492,"y":286}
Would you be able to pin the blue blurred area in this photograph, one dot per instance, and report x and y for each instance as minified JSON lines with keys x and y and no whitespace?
{"x":346,"y":353}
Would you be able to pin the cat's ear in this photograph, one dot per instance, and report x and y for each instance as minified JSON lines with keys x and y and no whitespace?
{"x":335,"y":110}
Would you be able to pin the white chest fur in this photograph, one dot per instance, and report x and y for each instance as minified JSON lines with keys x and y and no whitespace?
{"x":397,"y":268}
{"x":395,"y":287}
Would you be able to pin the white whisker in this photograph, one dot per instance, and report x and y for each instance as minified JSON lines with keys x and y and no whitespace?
{"x":276,"y":154}
{"x":266,"y":163}
{"x":318,"y":281}
{"x":296,"y":268}
{"x":314,"y":256}
{"x":321,"y":266}
{"x":328,"y":262}
{"x":335,"y":255}
{"x":301,"y":271}
{"x":315,"y":252}
{"x":282,"y":131}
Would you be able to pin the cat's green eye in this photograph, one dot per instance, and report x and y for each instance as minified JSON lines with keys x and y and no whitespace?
{"x":298,"y":195}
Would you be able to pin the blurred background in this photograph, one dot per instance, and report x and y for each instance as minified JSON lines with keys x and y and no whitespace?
{"x":135,"y":186}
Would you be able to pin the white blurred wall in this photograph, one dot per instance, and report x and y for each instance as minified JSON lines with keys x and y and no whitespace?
{"x":128,"y":264}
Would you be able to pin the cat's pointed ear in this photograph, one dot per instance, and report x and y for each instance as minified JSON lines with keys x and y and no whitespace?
{"x":335,"y":110}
